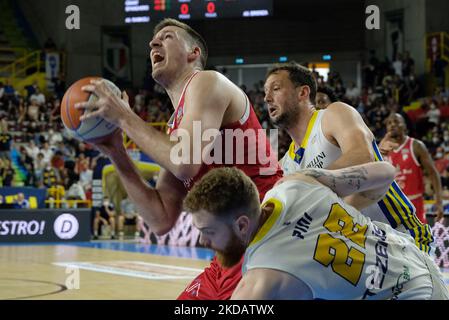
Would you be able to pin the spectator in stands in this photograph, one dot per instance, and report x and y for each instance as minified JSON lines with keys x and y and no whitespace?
{"x":434,"y":114}
{"x":408,"y":65}
{"x":85,"y":177}
{"x":324,"y":97}
{"x":128,"y":216}
{"x":7,"y":172}
{"x":9,"y":91}
{"x":38,"y":96}
{"x":352,"y":92}
{"x":81,"y":163}
{"x":67,"y":152}
{"x":21,"y":202}
{"x":398,"y":65}
{"x":54,"y":136}
{"x":32,"y":150}
{"x":21,"y":110}
{"x":50,"y":176}
{"x":88,"y":150}
{"x":59,"y":86}
{"x":47,"y":152}
{"x":39,"y":166}
{"x":33,"y":110}
{"x":75,"y":192}
{"x":104,"y":215}
{"x":2,"y":92}
{"x":5,"y":140}
{"x":339,"y":90}
{"x":27,"y":163}
{"x":441,"y":160}
{"x":55,"y":111}
{"x":439,"y":71}
{"x":57,"y":161}
{"x":140,"y":98}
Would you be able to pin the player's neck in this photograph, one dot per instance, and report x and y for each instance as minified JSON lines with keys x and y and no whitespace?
{"x":298,"y":132}
{"x":176,"y":88}
{"x":265,"y":213}
{"x":400,"y":139}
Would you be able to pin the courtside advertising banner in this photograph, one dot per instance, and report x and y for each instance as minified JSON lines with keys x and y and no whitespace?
{"x":51,"y":225}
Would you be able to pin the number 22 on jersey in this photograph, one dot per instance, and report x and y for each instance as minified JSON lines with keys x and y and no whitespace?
{"x":332,"y":250}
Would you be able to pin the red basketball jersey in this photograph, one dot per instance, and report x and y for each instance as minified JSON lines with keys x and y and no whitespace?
{"x":410,"y":177}
{"x":251,"y":156}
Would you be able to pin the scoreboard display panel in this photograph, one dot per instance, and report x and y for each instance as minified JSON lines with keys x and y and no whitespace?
{"x":142,"y":11}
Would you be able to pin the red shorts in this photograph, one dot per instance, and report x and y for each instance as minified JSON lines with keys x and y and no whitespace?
{"x":214,"y":283}
{"x":420,"y":212}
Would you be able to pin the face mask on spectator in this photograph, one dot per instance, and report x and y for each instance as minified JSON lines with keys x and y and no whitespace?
{"x":435,"y":140}
{"x":439,"y":155}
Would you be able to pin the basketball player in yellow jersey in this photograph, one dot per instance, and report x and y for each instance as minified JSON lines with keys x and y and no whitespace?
{"x":305,"y":242}
{"x":333,"y":138}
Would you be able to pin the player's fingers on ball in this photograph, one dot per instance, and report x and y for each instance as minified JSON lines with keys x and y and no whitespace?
{"x":83,"y":105}
{"x":90,"y":115}
{"x":88,"y":88}
{"x":102,"y":86}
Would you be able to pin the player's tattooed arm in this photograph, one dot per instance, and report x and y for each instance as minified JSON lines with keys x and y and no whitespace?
{"x":348,"y":178}
{"x":360,"y":185}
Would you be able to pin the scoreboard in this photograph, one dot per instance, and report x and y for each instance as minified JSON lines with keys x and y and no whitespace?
{"x":142,"y":11}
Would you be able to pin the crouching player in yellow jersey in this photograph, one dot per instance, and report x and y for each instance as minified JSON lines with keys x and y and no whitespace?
{"x":305,"y":242}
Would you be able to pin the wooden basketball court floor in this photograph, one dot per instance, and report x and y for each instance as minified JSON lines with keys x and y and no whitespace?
{"x":100,"y":271}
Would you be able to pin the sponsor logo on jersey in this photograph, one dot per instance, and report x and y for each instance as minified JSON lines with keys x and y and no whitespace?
{"x":302,"y":226}
{"x":318,"y":161}
{"x":377,"y":272}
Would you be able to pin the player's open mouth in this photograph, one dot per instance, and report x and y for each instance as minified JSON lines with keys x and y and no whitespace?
{"x":157,"y":58}
{"x":272,"y":111}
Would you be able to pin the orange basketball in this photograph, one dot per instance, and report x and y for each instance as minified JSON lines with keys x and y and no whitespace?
{"x":91,"y":129}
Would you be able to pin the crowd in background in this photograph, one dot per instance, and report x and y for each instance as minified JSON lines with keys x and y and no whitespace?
{"x":36,"y":150}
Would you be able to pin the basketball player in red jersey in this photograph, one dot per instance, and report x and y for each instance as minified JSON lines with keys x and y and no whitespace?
{"x":178,"y":56}
{"x":410,"y":157}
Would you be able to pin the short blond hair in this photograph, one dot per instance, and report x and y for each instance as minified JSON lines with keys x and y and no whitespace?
{"x":195,"y":37}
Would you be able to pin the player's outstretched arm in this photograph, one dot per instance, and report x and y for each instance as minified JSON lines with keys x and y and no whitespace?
{"x":360,"y":185}
{"x":159,"y":207}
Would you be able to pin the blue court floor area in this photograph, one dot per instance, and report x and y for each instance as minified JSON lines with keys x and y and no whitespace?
{"x":163,"y":250}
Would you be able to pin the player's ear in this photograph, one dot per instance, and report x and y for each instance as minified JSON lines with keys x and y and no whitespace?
{"x":303,"y":92}
{"x":241,"y":225}
{"x":194,"y":54}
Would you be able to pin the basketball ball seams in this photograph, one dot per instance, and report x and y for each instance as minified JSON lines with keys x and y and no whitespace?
{"x":92,"y":128}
